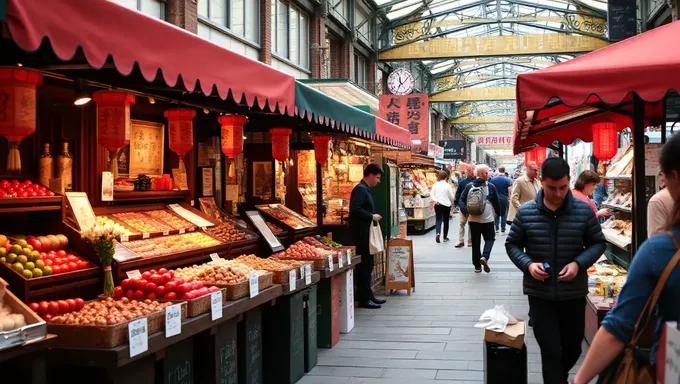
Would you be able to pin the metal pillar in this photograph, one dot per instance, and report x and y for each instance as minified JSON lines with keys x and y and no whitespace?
{"x":639,"y":190}
{"x":319,"y":198}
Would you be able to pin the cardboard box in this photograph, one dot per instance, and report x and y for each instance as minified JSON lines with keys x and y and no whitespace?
{"x":513,"y":336}
{"x":347,"y":301}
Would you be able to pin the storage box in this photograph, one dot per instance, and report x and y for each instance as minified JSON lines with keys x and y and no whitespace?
{"x":347,"y":301}
{"x":513,"y":336}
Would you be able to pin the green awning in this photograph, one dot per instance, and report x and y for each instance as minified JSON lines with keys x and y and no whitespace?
{"x":3,"y":10}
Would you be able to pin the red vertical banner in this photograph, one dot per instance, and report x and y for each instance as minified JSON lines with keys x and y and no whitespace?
{"x":410,"y":112}
{"x":390,"y":109}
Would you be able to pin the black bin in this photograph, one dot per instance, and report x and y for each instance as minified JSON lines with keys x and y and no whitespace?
{"x":505,"y":365}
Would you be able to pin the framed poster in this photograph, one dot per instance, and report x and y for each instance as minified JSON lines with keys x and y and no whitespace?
{"x":262,"y":179}
{"x":306,"y":167}
{"x":399,"y":273}
{"x":145,"y":150}
{"x":81,"y":209}
{"x":263,"y":228}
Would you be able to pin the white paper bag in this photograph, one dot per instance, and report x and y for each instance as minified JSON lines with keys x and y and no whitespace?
{"x":496,"y":319}
{"x":375,"y":242}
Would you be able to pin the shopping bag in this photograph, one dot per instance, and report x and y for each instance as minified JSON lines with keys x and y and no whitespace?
{"x":375,"y":241}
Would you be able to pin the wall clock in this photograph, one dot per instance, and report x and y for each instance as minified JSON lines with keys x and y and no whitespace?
{"x":401,"y":82}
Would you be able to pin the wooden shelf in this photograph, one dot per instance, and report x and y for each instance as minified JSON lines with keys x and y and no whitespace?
{"x":149,"y":195}
{"x":31,"y":204}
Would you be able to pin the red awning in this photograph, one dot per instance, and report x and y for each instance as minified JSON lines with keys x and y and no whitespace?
{"x":103,"y":28}
{"x":392,"y":134}
{"x":643,"y":64}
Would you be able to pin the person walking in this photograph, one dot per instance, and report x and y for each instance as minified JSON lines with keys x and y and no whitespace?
{"x":659,"y":210}
{"x":585,"y":184}
{"x":361,"y":217}
{"x":554,"y":239}
{"x":480,"y":205}
{"x":503,"y":186}
{"x":524,"y":189}
{"x":462,"y":183}
{"x":442,"y":197}
{"x":644,"y":278}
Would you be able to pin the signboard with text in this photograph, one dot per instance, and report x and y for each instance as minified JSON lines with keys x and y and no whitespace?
{"x":410,"y":112}
{"x":494,"y":140}
{"x":621,"y":19}
{"x":453,"y":149}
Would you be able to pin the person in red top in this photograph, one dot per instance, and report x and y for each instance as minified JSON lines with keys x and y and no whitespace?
{"x":585,"y":185}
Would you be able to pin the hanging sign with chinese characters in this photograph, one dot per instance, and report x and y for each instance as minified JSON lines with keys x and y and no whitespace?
{"x":494,"y":140}
{"x":408,"y":111}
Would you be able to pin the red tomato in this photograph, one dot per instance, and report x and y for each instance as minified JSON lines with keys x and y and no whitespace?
{"x":82,"y":264}
{"x":183,"y":288}
{"x":80,"y":303}
{"x":152,"y":271}
{"x":63,"y":306}
{"x":160,"y":291}
{"x":139,"y":294}
{"x":23,"y":194}
{"x":188,"y":296}
{"x":49,"y":262}
{"x":53,"y":307}
{"x":156,"y":279}
{"x":117,"y":293}
{"x":72,"y":266}
{"x":59,"y":253}
{"x":196,"y":285}
{"x":162,"y":271}
{"x":58,"y":260}
{"x":50,"y":193}
{"x":34,"y":307}
{"x":47,"y":317}
{"x":151,"y":287}
{"x":130,"y":293}
{"x":151,"y":296}
{"x":44,"y":307}
{"x":146,"y":275}
{"x":140,"y":284}
{"x":213,"y":289}
{"x":72,"y":303}
{"x":166,"y":278}
{"x":55,"y":268}
{"x":125,"y":284}
{"x":171,"y":286}
{"x":170,"y":296}
{"x":65,"y":268}
{"x":33,"y":193}
{"x":203,"y":291}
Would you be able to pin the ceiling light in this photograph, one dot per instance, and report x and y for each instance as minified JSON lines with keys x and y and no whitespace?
{"x":82,"y":96}
{"x":152,"y":100}
{"x":206,"y":111}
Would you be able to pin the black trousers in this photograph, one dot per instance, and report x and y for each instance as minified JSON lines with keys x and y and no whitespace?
{"x":559,"y":328}
{"x":363,"y":274}
{"x":442,"y":213}
{"x":479,"y":230}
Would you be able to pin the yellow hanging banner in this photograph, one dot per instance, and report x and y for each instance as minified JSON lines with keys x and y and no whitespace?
{"x":483,"y":119}
{"x":474,"y":94}
{"x":485,"y":46}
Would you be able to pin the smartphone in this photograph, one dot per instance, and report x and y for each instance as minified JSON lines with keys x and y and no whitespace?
{"x":546,"y":268}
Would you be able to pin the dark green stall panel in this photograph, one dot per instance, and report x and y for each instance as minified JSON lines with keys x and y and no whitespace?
{"x":310,"y":327}
{"x":215,"y":355}
{"x":250,"y":348}
{"x":283,"y":329}
{"x":178,"y":363}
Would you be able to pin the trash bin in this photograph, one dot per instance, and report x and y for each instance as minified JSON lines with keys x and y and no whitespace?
{"x":505,"y":365}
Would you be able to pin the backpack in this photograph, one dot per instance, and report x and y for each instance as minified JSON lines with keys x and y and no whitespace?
{"x":476,"y":201}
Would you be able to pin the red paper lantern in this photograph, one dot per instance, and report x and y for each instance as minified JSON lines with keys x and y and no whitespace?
{"x":535,"y":154}
{"x":321,"y":148}
{"x":280,"y":143}
{"x":17,"y":109}
{"x":232,"y":134}
{"x":180,"y":130}
{"x":605,"y":140}
{"x":113,"y":119}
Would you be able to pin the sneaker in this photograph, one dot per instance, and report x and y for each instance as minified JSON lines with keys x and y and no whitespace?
{"x":503,"y":230}
{"x":446,"y":239}
{"x":469,"y":244}
{"x":460,"y":245}
{"x":478,"y":270}
{"x":496,"y":230}
{"x":485,"y":264}
{"x":437,"y":239}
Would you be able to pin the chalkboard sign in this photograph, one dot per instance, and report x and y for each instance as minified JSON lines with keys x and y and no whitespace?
{"x":178,"y":363}
{"x":297,"y":337}
{"x":250,"y":354}
{"x":215,"y":355}
{"x":310,"y":327}
{"x":621,"y":19}
{"x":399,"y":273}
{"x":226,"y":342}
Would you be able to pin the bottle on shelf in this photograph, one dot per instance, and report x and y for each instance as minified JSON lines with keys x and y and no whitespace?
{"x":46,"y":165}
{"x":65,"y":164}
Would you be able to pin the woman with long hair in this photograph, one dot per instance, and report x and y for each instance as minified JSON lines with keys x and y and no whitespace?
{"x":585,"y":184}
{"x":645,"y":271}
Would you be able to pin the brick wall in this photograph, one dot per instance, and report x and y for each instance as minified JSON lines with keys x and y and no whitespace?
{"x":183,"y":13}
{"x":336,"y":53}
{"x":370,"y":78}
{"x":318,"y":45}
{"x":266,"y":31}
{"x":346,"y":59}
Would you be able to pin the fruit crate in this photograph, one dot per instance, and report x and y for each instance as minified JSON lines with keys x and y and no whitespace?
{"x":31,"y":204}
{"x":35,"y":328}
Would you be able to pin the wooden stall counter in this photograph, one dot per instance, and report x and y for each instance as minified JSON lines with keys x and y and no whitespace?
{"x":327,"y":273}
{"x":596,"y":309}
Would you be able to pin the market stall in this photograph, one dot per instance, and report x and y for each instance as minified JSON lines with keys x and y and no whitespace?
{"x":418,"y":174}
{"x":611,"y":97}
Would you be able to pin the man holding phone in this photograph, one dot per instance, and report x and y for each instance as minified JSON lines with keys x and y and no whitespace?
{"x":554,"y":240}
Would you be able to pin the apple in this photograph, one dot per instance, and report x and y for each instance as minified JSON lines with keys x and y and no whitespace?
{"x":35,"y":307}
{"x":54,"y":241}
{"x":43,"y":307}
{"x":63,"y":306}
{"x":82,"y":264}
{"x":33,"y":242}
{"x":60,"y":253}
{"x":139,"y":294}
{"x":151,"y":287}
{"x":151,"y":296}
{"x":80,"y":303}
{"x":171,"y":286}
{"x":63,"y":241}
{"x":117,"y":293}
{"x":55,"y":268}
{"x":71,"y":304}
{"x":170,"y":296}
{"x":160,"y":291}
{"x":53,"y":307}
{"x":130,"y":294}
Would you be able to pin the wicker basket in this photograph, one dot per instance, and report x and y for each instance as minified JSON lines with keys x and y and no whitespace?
{"x":200,"y":305}
{"x":264,"y":281}
{"x":237,"y":291}
{"x":280,"y":277}
{"x":104,"y":336}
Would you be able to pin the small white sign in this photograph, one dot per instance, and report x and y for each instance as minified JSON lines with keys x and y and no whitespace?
{"x":145,"y":235}
{"x":253,"y":283}
{"x":124,"y":238}
{"x":181,"y":231}
{"x":204,"y":228}
{"x":330,"y":263}
{"x":302,"y":271}
{"x":138,"y":335}
{"x":341,"y":260}
{"x":173,"y":320}
{"x":165,"y":233}
{"x":308,"y":274}
{"x":291,"y":280}
{"x":349,"y":257}
{"x":216,"y":305}
{"x":214,"y":256}
{"x":133,"y":274}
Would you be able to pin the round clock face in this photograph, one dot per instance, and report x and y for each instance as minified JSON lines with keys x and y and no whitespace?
{"x":401,"y":82}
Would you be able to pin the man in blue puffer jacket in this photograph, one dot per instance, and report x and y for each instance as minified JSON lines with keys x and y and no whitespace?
{"x":554,"y":239}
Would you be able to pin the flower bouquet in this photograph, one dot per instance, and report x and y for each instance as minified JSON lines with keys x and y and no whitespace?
{"x":102,"y":235}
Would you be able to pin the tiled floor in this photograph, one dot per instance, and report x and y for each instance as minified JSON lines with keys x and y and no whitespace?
{"x":429,"y":337}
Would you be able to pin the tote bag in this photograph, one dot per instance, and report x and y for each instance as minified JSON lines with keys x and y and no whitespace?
{"x":632,"y":366}
{"x":375,"y":241}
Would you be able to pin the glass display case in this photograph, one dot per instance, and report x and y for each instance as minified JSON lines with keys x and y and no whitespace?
{"x":286,"y":216}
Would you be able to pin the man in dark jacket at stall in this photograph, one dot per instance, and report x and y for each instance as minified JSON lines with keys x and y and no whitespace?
{"x":554,"y":239}
{"x":361,"y":216}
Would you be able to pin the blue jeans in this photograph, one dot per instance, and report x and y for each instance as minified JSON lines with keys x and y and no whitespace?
{"x":501,"y":220}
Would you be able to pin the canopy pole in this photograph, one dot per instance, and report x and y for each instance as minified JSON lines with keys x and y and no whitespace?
{"x":639,"y":189}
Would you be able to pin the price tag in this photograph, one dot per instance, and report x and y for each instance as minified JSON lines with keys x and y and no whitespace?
{"x":330,"y":263}
{"x":192,"y":203}
{"x":341,"y":260}
{"x":133,"y":274}
{"x":145,"y":235}
{"x":253,"y":283}
{"x":214,"y":256}
{"x":173,"y":320}
{"x":204,"y":228}
{"x":308,"y":274}
{"x":291,"y":280}
{"x":302,"y":271}
{"x":138,"y":335}
{"x":181,"y":231}
{"x":165,"y":233}
{"x":349,"y":257}
{"x":216,"y":305}
{"x":124,"y":238}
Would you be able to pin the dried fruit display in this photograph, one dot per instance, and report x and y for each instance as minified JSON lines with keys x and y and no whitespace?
{"x":110,"y":312}
{"x":166,"y":245}
{"x":170,"y":219}
{"x":263,"y":264}
{"x":201,"y":239}
{"x":303,"y":251}
{"x":141,"y":222}
{"x":218,"y":272}
{"x":317,"y":244}
{"x":291,"y":262}
{"x":287,"y":216}
{"x":274,"y":228}
{"x":227,"y":233}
